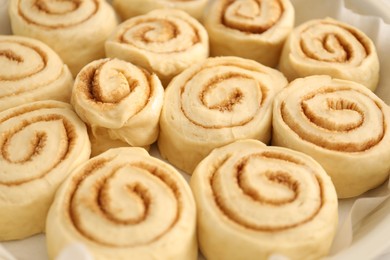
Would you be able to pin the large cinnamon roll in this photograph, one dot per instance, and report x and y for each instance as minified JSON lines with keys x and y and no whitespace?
{"x":165,"y":41}
{"x":253,"y":29}
{"x":330,"y":47}
{"x":124,"y":204}
{"x":213,"y":103}
{"x":31,"y":71}
{"x":340,"y":123}
{"x":40,"y":143}
{"x":75,"y":29}
{"x":255,"y":201}
{"x":120,"y":102}
{"x":130,"y":8}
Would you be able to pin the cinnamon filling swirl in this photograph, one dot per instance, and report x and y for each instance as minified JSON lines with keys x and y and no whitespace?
{"x":25,"y":60}
{"x":222,"y":93}
{"x":25,"y":140}
{"x":330,"y":42}
{"x":214,"y":103}
{"x":119,"y":197}
{"x":330,"y":47}
{"x":256,"y":200}
{"x":253,"y":16}
{"x":337,"y":117}
{"x":243,"y":173}
{"x":157,"y":35}
{"x":54,"y":14}
{"x":110,"y":82}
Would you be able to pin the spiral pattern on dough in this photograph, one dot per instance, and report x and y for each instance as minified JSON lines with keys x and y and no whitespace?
{"x":262,"y":191}
{"x":26,"y":140}
{"x":75,"y":29}
{"x":57,"y":14}
{"x":252,"y":177}
{"x":330,"y":42}
{"x":342,"y":124}
{"x":335,"y":116}
{"x":138,"y":202}
{"x":333,"y":48}
{"x":252,"y":29}
{"x":31,"y":71}
{"x":165,"y":41}
{"x":149,"y":34}
{"x":121,"y":98}
{"x":40,"y":143}
{"x":148,"y":197}
{"x":216,"y":102}
{"x":200,"y":97}
{"x":254,"y":16}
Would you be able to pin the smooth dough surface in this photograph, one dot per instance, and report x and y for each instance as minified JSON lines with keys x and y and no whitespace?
{"x":249,"y":29}
{"x":164,"y":41}
{"x":120,"y":102}
{"x":255,"y":201}
{"x":124,"y":204}
{"x":75,"y":29}
{"x":330,"y":47}
{"x":130,"y":8}
{"x":213,"y":103}
{"x":341,"y":124}
{"x":41,"y":142}
{"x":31,"y":71}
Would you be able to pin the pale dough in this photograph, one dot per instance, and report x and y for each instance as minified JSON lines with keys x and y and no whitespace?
{"x":31,"y":71}
{"x":124,"y":204}
{"x":41,"y":142}
{"x":255,"y":201}
{"x":340,"y":123}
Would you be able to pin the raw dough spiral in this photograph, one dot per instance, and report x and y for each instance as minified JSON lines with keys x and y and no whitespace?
{"x":255,"y":201}
{"x":340,"y":123}
{"x":253,"y":29}
{"x":330,"y":47}
{"x":75,"y":29}
{"x":40,"y":143}
{"x":120,"y":102}
{"x":213,"y":103}
{"x":124,"y":204}
{"x":31,"y":71}
{"x":165,"y":41}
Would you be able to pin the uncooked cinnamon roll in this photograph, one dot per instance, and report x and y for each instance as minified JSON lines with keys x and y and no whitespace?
{"x":120,"y":102}
{"x":130,"y":8}
{"x":75,"y":29}
{"x":40,"y":143}
{"x":340,"y":123}
{"x":124,"y":204}
{"x":330,"y":47}
{"x":255,"y":201}
{"x":213,"y":103}
{"x":31,"y":71}
{"x":253,"y":29}
{"x":165,"y":41}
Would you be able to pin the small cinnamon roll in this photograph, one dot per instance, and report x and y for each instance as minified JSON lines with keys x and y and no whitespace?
{"x":40,"y":143}
{"x":124,"y":204}
{"x":120,"y":102}
{"x":213,"y":103}
{"x":341,"y":124}
{"x":75,"y":29}
{"x":31,"y":71}
{"x":255,"y":201}
{"x":330,"y":47}
{"x":164,"y":41}
{"x":252,"y":29}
